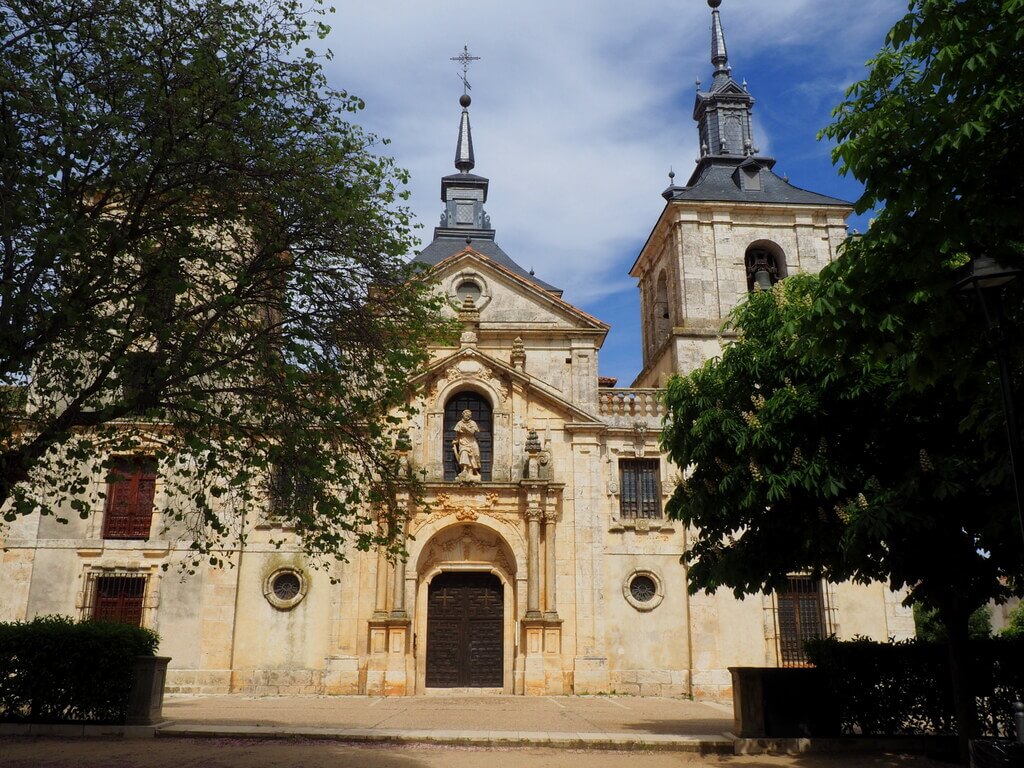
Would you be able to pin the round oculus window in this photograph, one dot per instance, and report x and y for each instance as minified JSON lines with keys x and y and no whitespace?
{"x":468,"y":289}
{"x":285,"y":588}
{"x":643,"y":589}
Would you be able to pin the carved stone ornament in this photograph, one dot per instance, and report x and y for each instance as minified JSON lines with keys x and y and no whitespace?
{"x":467,"y":545}
{"x":518,"y":356}
{"x":639,"y":438}
{"x":465,"y":511}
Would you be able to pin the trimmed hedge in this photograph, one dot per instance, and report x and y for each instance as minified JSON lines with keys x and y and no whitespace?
{"x":904,"y":688}
{"x":55,"y":670}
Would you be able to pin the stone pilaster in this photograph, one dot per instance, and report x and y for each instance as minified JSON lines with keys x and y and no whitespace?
{"x":550,"y":604}
{"x":533,"y":517}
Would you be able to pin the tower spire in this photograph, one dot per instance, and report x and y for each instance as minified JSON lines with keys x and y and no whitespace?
{"x":464,"y":193}
{"x":719,"y":54}
{"x":464,"y":160}
{"x":723,"y":112}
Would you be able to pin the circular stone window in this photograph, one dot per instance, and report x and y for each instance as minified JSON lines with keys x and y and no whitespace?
{"x":285,"y":588}
{"x":468,"y":284}
{"x":643,"y":590}
{"x":469,"y":289}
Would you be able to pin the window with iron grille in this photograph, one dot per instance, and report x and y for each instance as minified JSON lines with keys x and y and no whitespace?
{"x":801,"y":617}
{"x":480,"y":412}
{"x":131,"y":485}
{"x":116,"y":597}
{"x":639,"y":488}
{"x":289,"y":489}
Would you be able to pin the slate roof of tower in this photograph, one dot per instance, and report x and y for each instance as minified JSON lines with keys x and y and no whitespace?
{"x":717,"y":181}
{"x":443,"y":247}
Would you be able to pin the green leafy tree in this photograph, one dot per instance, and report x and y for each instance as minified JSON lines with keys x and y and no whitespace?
{"x":927,"y":626}
{"x":798,"y":463}
{"x":1015,"y":625}
{"x":931,"y":133}
{"x":201,"y":258}
{"x":856,"y":430}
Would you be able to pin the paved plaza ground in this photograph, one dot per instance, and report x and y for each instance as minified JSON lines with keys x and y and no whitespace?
{"x":639,"y":716}
{"x":242,"y":753}
{"x":427,"y":732}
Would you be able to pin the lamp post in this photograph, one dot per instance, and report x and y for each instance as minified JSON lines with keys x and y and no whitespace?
{"x":985,"y":278}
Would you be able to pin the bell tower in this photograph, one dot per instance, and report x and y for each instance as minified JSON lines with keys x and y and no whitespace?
{"x":734,"y":227}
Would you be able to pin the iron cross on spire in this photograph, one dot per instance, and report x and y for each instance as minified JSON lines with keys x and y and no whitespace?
{"x":465,"y":58}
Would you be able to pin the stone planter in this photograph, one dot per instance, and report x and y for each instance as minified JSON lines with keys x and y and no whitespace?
{"x":146,"y":700}
{"x":773,"y":702}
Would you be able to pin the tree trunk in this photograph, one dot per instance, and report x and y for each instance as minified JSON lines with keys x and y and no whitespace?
{"x":955,"y":619}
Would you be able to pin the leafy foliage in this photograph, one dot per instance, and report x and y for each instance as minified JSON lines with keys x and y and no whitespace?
{"x":54,"y":670}
{"x":1015,"y":625}
{"x":928,"y":628}
{"x":203,"y":261}
{"x":856,"y":429}
{"x":797,"y":463}
{"x":932,"y":132}
{"x":898,"y":688}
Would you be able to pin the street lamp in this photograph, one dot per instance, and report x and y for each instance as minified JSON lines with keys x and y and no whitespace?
{"x":985,"y":278}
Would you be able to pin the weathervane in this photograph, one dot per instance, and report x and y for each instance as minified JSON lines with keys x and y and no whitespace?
{"x":464,"y":58}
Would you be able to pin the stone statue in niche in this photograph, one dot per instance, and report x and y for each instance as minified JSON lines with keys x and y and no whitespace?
{"x":466,"y":448}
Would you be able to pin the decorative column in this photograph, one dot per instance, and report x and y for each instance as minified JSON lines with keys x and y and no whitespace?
{"x":550,"y":608}
{"x":403,"y":447}
{"x":398,"y":595}
{"x":380,"y":597}
{"x":533,"y":516}
{"x":542,"y":668}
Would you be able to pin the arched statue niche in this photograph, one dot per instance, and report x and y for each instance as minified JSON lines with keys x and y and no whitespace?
{"x":459,"y":437}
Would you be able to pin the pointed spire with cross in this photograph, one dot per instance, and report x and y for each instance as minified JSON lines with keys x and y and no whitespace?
{"x":464,"y":160}
{"x":465,"y":58}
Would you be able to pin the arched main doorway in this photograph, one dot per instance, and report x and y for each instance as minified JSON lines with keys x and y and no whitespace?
{"x":465,"y":630}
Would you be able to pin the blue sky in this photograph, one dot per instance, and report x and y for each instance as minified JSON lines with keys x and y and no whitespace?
{"x":580,"y":107}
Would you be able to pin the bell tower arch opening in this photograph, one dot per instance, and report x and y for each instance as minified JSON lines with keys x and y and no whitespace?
{"x":765,"y":265}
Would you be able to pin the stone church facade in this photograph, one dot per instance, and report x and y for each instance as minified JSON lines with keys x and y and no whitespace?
{"x":541,"y":562}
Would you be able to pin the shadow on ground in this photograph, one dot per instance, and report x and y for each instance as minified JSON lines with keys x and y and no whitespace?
{"x":677,"y":727}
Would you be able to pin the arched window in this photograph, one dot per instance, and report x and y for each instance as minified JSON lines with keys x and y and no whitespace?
{"x":480,"y":411}
{"x":765,"y":265}
{"x":662,"y":322}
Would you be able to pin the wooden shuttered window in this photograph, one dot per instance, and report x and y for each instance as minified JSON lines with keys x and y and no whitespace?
{"x":117,"y":598}
{"x":131,"y":486}
{"x":801,"y":617}
{"x":639,"y":488}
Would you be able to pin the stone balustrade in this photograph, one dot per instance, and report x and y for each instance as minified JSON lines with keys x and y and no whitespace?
{"x":623,"y":407}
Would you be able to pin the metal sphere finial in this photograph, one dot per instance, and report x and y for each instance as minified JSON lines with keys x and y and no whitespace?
{"x":714,"y":3}
{"x":465,"y":100}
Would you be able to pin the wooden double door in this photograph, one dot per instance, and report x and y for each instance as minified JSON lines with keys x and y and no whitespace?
{"x":465,"y":631}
